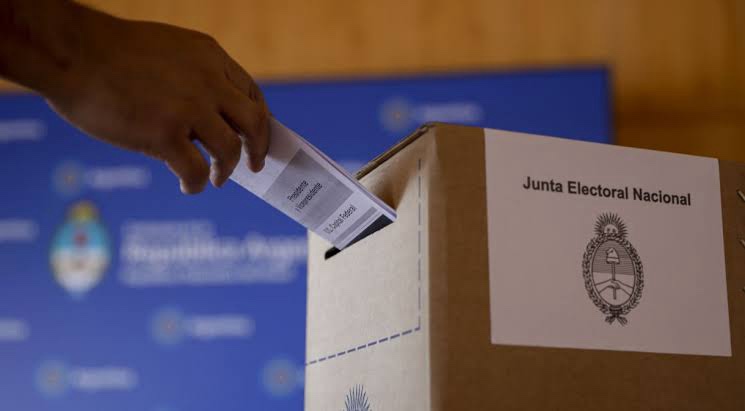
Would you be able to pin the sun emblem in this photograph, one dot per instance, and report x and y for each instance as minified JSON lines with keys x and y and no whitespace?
{"x":612,"y":270}
{"x":357,"y":400}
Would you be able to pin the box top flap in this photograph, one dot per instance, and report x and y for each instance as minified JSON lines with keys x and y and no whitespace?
{"x":380,"y":159}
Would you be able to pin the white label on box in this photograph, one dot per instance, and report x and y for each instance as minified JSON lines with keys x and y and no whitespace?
{"x":309,"y":187}
{"x":601,"y":247}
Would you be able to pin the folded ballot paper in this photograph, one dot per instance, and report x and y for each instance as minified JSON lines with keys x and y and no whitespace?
{"x":312,"y":189}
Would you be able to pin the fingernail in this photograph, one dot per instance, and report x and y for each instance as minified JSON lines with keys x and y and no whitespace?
{"x":257,"y":164}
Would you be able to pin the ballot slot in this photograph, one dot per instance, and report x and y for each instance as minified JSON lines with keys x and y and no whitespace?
{"x":391,"y":193}
{"x":379,"y":224}
{"x":309,"y":187}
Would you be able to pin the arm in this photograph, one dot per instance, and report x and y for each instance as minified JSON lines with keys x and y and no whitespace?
{"x":146,"y":87}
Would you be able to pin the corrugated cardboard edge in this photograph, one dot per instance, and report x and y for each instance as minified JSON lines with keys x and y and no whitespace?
{"x":382,"y":158}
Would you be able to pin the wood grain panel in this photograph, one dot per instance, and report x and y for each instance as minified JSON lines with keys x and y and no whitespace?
{"x":678,"y":66}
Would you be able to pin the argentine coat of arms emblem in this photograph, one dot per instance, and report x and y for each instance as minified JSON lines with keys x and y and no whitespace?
{"x":80,"y":252}
{"x":612,"y":270}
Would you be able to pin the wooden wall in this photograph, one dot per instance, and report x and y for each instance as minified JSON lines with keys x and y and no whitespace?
{"x":678,"y":65}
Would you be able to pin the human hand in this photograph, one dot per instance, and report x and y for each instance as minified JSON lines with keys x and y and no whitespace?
{"x":156,"y":89}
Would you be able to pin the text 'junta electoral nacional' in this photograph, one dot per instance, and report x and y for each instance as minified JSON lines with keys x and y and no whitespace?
{"x":602,"y":191}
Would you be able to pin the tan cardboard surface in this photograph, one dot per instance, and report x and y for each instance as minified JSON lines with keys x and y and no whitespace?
{"x":451,"y":364}
{"x":367,"y":304}
{"x":484,"y":376}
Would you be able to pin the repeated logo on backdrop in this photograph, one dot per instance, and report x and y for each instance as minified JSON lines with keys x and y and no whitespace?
{"x":170,"y":326}
{"x":56,"y":378}
{"x":399,"y":115}
{"x":72,"y":178}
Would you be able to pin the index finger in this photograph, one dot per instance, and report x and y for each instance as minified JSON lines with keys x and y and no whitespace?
{"x":251,"y":120}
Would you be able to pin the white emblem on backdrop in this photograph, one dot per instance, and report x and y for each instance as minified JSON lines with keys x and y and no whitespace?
{"x":68,"y":178}
{"x":281,"y":377}
{"x":51,"y":378}
{"x":397,"y":114}
{"x":80,"y":251}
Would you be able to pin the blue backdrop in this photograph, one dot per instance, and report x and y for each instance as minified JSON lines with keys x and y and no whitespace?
{"x":119,"y":293}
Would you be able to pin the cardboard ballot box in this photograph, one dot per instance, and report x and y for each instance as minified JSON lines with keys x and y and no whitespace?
{"x":527,"y":272}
